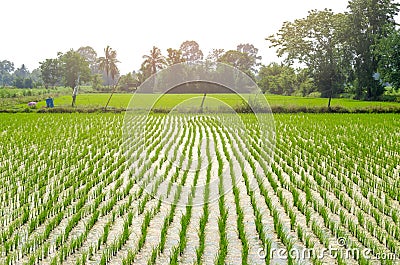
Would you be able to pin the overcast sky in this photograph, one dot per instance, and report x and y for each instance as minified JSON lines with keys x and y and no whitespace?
{"x":33,"y":30}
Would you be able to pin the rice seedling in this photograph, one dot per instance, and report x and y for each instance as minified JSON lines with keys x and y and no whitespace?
{"x":336,"y":174}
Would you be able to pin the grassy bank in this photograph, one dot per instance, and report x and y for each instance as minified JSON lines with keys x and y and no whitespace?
{"x":171,"y":100}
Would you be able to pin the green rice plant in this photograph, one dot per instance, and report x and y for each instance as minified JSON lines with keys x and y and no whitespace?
{"x":184,"y":226}
{"x":173,"y":260}
{"x":352,"y":168}
{"x":308,"y":216}
{"x":223,"y":241}
{"x":395,"y":217}
{"x":309,"y":242}
{"x":300,"y":233}
{"x":325,"y":215}
{"x":292,"y":217}
{"x":240,"y":225}
{"x":168,"y":220}
{"x":268,"y":250}
{"x":316,"y":261}
{"x":103,"y":260}
{"x":153,"y":256}
{"x":360,"y":218}
{"x":144,"y":227}
{"x":205,"y":216}
{"x":201,"y":233}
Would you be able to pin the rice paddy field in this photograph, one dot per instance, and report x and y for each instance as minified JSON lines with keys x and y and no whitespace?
{"x":71,"y":193}
{"x":170,"y":100}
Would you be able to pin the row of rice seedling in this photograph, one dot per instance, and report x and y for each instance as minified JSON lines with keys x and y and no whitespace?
{"x":239,"y":211}
{"x":169,"y":218}
{"x":205,"y":208}
{"x":57,"y":213}
{"x":153,"y":183}
{"x":160,"y":247}
{"x":67,"y":176}
{"x":333,"y":207}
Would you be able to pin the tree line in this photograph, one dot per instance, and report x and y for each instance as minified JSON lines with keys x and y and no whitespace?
{"x":20,"y":77}
{"x":66,"y":69}
{"x":355,"y":52}
{"x":101,"y":71}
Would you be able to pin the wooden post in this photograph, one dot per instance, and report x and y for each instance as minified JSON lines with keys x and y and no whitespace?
{"x":115,"y":87}
{"x":202,"y":102}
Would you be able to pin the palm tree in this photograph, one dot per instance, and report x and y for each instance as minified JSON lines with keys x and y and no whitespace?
{"x":155,"y":60}
{"x":108,"y":63}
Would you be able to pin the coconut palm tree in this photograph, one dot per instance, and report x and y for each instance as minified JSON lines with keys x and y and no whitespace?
{"x":155,"y":60}
{"x":108,"y":63}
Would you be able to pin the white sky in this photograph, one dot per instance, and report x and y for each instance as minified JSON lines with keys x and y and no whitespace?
{"x":35,"y":30}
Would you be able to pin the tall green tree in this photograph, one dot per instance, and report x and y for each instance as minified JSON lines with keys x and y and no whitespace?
{"x":90,"y":55}
{"x":252,"y":52}
{"x":368,"y":20}
{"x":73,"y":65}
{"x":240,"y":60}
{"x":28,"y":83}
{"x":22,"y":72}
{"x":319,"y":42}
{"x":6,"y":68}
{"x":97,"y":81}
{"x":51,"y":72}
{"x":277,"y":79}
{"x":18,"y":82}
{"x":108,"y":63}
{"x":388,"y":51}
{"x":305,"y":82}
{"x":36,"y":76}
{"x":22,"y":78}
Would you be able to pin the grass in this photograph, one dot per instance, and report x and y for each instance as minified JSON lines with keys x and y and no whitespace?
{"x":10,"y":97}
{"x":171,"y":100}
